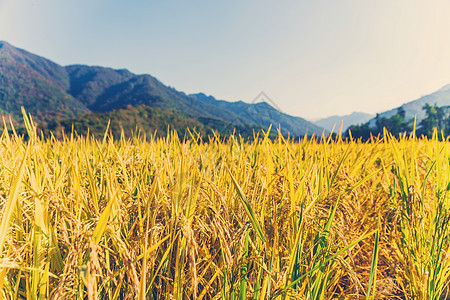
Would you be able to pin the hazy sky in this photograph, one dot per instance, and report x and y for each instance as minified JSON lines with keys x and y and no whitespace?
{"x":312,"y":58}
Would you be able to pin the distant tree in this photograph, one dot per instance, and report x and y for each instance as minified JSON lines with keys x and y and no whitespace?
{"x":395,"y":124}
{"x":435,"y":117}
{"x":379,"y":122}
{"x":401,"y":112}
{"x":362,"y":131}
{"x":447,"y":123}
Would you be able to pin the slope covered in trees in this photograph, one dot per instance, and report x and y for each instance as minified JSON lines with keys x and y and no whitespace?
{"x":55,"y":94}
{"x":435,"y":118}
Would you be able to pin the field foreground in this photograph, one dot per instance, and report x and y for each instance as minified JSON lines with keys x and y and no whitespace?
{"x":170,"y":219}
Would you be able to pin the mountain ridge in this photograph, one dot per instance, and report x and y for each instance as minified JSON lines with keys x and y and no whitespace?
{"x":262,"y":113}
{"x":48,"y":90}
{"x":414,"y":109}
{"x":347,"y":120}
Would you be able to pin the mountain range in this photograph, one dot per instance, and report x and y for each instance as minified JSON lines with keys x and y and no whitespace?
{"x":59,"y":97}
{"x":335,"y":121}
{"x":414,"y":109}
{"x":56,"y":95}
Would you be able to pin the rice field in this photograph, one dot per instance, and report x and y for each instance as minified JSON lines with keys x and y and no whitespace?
{"x":181,"y":218}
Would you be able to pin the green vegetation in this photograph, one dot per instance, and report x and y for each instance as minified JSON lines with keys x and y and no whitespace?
{"x":128,"y":121}
{"x":36,"y":83}
{"x":436,"y":118}
{"x":56,"y":96}
{"x":140,"y":120}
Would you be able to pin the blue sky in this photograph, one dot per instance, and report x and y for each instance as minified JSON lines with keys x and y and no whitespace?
{"x":312,"y":58}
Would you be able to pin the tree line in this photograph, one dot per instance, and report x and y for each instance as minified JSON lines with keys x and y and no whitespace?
{"x":435,"y":118}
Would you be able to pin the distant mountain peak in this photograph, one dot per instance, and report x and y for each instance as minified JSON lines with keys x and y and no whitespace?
{"x":48,"y":90}
{"x":5,"y":46}
{"x":14,"y":53}
{"x":8,"y":48}
{"x":335,"y":121}
{"x":261,"y":114}
{"x":414,"y":109}
{"x":35,"y":83}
